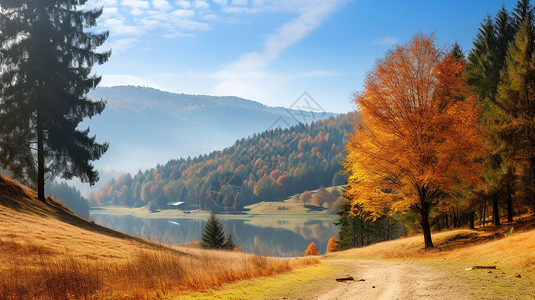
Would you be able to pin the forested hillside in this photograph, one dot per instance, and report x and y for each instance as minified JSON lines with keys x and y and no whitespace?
{"x":265,"y":167}
{"x":145,"y":126}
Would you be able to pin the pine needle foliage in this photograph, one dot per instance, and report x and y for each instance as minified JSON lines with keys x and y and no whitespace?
{"x":213,"y":236}
{"x":47,"y":55}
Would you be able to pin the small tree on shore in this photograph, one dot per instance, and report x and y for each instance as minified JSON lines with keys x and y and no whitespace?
{"x":332,"y":245}
{"x":312,"y":250}
{"x":213,"y":236}
{"x":229,"y":244}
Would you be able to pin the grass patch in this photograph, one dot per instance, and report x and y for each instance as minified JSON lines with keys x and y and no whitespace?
{"x":290,"y":284}
{"x":47,"y":252}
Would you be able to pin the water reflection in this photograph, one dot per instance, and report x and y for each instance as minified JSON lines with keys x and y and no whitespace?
{"x":288,"y":237}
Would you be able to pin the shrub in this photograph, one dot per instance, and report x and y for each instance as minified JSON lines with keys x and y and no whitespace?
{"x":312,"y":250}
{"x":332,"y":245}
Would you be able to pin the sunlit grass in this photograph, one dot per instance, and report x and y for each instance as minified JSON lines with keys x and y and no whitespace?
{"x":46,"y":252}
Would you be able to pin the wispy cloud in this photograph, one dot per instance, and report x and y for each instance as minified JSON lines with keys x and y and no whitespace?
{"x":123,"y":45}
{"x":385,"y":41}
{"x":247,"y":76}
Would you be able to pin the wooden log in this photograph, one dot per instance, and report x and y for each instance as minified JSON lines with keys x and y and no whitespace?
{"x":348,"y":278}
{"x":484,"y":267}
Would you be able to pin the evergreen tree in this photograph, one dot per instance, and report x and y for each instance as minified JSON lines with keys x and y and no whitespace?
{"x":348,"y":224}
{"x":213,"y":236}
{"x":517,"y":102}
{"x":358,"y":229}
{"x":485,"y":63}
{"x":47,"y":57}
{"x":229,"y":244}
{"x":523,"y":11}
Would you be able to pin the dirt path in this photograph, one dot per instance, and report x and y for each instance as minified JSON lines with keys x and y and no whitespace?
{"x":381,"y":280}
{"x":391,"y":280}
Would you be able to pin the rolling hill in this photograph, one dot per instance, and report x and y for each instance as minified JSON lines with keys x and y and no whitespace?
{"x":48,"y":252}
{"x":145,"y":126}
{"x":269,"y":166}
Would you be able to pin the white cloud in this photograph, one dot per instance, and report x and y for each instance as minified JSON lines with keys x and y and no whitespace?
{"x":201,"y":5}
{"x":109,"y":2}
{"x":239,"y":2}
{"x":183,"y":13}
{"x":139,"y":4}
{"x":123,"y":45}
{"x":191,"y":25}
{"x":211,"y":17}
{"x":183,"y":4}
{"x":161,"y":5}
{"x":385,"y":41}
{"x":118,"y":27}
{"x":109,"y":11}
{"x":220,"y":2}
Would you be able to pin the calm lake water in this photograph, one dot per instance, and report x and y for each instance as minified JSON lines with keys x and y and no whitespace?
{"x":272,"y":236}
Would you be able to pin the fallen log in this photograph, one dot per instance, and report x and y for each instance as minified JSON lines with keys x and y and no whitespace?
{"x":342,"y":279}
{"x":484,"y":267}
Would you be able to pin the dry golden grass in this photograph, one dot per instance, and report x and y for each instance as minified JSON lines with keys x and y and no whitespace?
{"x":486,"y":246}
{"x":47,"y":252}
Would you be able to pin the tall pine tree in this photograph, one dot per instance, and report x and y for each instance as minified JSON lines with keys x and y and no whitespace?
{"x":47,"y":56}
{"x":517,"y":102}
{"x":485,"y":63}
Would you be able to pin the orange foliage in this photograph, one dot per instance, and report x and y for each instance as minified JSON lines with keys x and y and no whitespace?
{"x":418,"y":136}
{"x":312,"y":250}
{"x":305,"y":197}
{"x":332,"y":244}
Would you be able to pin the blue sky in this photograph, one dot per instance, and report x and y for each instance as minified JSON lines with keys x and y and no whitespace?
{"x":271,"y":51}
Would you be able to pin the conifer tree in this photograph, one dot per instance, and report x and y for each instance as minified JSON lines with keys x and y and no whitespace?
{"x":213,"y":236}
{"x":517,"y":102}
{"x":522,"y":11}
{"x":229,"y":244}
{"x":485,"y":63}
{"x":47,"y":56}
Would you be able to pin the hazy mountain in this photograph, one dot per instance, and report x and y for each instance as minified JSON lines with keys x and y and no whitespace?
{"x":146,"y":126}
{"x":268,"y":166}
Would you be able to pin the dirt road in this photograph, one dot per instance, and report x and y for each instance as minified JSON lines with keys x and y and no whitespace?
{"x":390,"y":280}
{"x":374,"y":279}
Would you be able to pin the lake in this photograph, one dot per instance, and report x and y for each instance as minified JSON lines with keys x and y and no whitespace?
{"x":284,"y":236}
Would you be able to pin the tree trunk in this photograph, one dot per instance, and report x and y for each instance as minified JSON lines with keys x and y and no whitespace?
{"x":509,"y":203}
{"x":484,"y":213}
{"x":495,"y":210}
{"x":40,"y":160}
{"x":472,"y":219}
{"x":424,"y":213}
{"x":447,"y":223}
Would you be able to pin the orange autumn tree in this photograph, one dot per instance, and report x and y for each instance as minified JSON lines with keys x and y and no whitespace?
{"x":418,"y":137}
{"x":332,"y":245}
{"x":312,"y":250}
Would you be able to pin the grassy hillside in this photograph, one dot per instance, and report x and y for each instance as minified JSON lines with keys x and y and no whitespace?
{"x":48,"y":252}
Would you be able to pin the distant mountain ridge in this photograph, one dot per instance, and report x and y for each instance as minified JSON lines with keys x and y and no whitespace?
{"x":269,"y":166}
{"x":137,"y":94}
{"x":146,"y":126}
